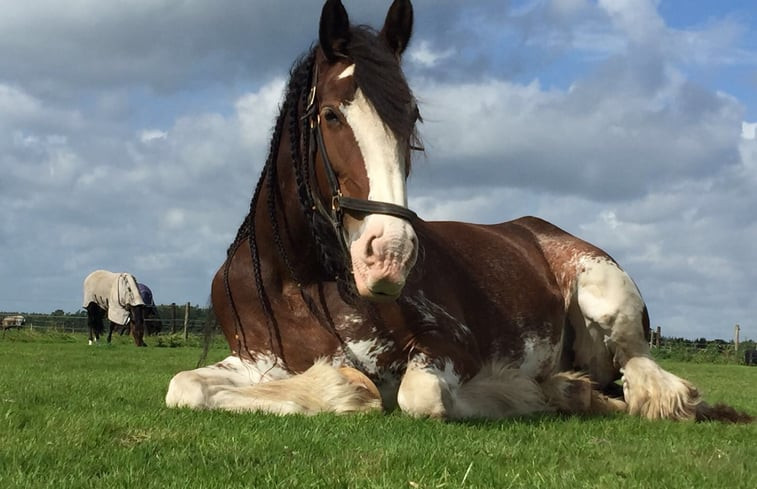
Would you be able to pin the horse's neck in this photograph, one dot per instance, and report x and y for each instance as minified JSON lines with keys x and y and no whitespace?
{"x":284,"y":239}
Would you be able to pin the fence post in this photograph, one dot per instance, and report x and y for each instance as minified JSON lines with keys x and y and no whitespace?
{"x":658,"y":336}
{"x":186,"y":320}
{"x":173,"y":318}
{"x":736,"y":330}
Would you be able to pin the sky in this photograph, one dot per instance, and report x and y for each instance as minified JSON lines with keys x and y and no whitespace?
{"x":132,"y":135}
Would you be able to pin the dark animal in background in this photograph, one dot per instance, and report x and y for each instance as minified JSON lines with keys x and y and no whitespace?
{"x":750,"y":357}
{"x":117,"y":295}
{"x":153,"y":323}
{"x":335,"y":297}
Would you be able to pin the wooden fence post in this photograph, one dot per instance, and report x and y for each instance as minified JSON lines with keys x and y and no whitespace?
{"x":736,"y":330}
{"x":173,"y":318}
{"x":658,"y":336}
{"x":186,"y":320}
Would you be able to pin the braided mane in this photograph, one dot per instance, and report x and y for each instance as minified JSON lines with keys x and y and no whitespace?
{"x":379,"y":76}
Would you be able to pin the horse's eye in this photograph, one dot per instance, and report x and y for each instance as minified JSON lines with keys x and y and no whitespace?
{"x":331,"y":117}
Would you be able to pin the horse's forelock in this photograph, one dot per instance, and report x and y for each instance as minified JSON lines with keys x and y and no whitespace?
{"x":379,"y":76}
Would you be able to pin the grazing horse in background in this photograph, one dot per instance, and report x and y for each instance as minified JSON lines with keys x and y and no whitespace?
{"x":336,"y":297}
{"x":153,"y":324}
{"x":118,"y":295}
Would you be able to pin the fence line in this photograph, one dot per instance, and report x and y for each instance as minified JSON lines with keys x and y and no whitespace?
{"x":78,"y":324}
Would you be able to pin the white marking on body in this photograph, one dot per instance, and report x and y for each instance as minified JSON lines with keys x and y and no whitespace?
{"x":425,"y":388}
{"x":353,"y":319}
{"x":366,"y":352}
{"x":349,"y":71}
{"x":606,"y":293}
{"x":539,"y":355}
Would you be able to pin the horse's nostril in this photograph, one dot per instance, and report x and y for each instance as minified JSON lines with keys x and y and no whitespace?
{"x":369,"y":250}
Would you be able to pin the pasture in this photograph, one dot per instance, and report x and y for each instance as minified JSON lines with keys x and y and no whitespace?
{"x":75,"y":416}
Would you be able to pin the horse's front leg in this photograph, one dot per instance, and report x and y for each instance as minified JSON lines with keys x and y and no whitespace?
{"x":425,"y":390}
{"x":453,"y":387}
{"x":244,"y":385}
{"x":110,"y":330}
{"x":138,"y":332}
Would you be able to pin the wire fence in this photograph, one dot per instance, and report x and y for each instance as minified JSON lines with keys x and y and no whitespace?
{"x":78,"y":324}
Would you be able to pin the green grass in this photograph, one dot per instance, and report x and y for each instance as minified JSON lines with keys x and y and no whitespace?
{"x":74,"y":416}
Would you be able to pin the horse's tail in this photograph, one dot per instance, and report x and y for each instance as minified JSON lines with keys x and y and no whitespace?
{"x":721,"y":412}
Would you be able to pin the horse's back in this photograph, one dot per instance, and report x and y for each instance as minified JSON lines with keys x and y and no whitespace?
{"x":527,"y":250}
{"x":97,"y":286}
{"x":496,"y":280}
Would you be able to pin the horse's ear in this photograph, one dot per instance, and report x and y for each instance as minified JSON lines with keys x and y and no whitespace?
{"x":334,"y":31}
{"x":398,"y":26}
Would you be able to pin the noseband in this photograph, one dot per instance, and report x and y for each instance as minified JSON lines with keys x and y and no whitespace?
{"x":340,"y":203}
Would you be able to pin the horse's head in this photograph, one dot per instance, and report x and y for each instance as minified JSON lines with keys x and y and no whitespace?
{"x":137,"y":314}
{"x":363,"y":117}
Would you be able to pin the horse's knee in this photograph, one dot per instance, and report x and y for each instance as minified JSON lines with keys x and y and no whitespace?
{"x":423,"y":393}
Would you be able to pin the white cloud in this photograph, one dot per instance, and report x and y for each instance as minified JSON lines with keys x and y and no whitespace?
{"x":256,"y":112}
{"x":638,"y":19}
{"x":150,"y":135}
{"x":423,"y":54}
{"x":609,"y":137}
{"x":748,"y":130}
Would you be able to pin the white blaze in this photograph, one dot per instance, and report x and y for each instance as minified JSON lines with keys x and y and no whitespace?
{"x":380,"y":150}
{"x":349,"y":71}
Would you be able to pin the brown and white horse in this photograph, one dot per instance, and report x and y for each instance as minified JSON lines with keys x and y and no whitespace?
{"x":335,"y":297}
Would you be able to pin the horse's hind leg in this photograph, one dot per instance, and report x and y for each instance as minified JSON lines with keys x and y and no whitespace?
{"x":94,"y":322}
{"x":576,"y":393}
{"x":610,"y":321}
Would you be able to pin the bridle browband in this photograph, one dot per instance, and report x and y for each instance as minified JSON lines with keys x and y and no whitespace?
{"x":339,"y":202}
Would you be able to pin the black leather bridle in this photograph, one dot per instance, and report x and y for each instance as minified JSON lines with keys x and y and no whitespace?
{"x":339,"y":203}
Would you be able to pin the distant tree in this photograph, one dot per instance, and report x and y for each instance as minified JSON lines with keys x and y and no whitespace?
{"x":58,"y":312}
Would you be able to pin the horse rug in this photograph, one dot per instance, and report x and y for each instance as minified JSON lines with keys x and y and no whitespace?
{"x":114,"y":292}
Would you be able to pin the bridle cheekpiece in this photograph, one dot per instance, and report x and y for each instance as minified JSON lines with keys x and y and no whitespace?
{"x":339,"y":203}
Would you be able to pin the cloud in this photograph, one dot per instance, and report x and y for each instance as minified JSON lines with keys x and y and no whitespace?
{"x":149,"y":135}
{"x":611,"y":137}
{"x":146,"y":201}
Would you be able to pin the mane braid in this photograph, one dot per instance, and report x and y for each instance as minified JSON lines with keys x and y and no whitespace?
{"x":380,"y":77}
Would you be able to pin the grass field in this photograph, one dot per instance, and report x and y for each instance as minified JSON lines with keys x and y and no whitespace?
{"x":74,"y":416}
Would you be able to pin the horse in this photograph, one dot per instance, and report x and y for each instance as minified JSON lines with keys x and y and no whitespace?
{"x":15,"y":321}
{"x":118,"y":295}
{"x":153,"y":324}
{"x":336,"y":297}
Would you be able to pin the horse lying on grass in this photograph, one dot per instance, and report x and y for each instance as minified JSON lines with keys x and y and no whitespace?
{"x":336,"y":297}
